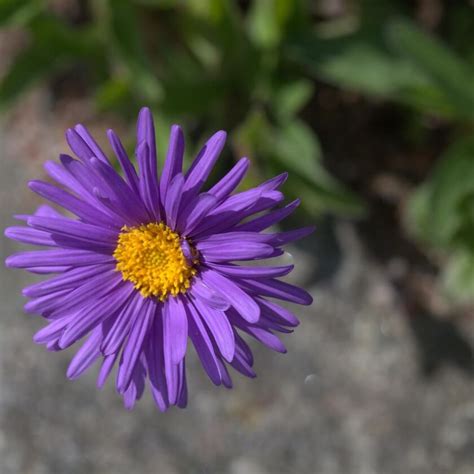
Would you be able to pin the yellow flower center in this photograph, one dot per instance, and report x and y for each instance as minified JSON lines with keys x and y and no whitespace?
{"x":150,"y":256}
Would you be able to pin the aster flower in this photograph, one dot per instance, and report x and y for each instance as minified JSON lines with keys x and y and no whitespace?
{"x":146,"y":263}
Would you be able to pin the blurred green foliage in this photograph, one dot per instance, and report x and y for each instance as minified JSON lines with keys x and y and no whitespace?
{"x":251,"y":67}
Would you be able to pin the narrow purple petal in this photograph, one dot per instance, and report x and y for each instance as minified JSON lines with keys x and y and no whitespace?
{"x":125,"y":163}
{"x":262,"y":335}
{"x":277,"y":289}
{"x":86,"y":355}
{"x":283,"y":238}
{"x":203,"y":345}
{"x":51,"y":332}
{"x":105,"y":369}
{"x":47,"y":270}
{"x":238,"y":298}
{"x":45,"y":303}
{"x":219,"y":327}
{"x":175,"y":327}
{"x":173,"y":199}
{"x":29,"y":236}
{"x":70,"y":279}
{"x":235,"y":237}
{"x":231,"y":180}
{"x":79,"y":230}
{"x":148,"y":182}
{"x":183,"y":386}
{"x":174,"y":160}
{"x":274,"y":183}
{"x":203,"y":164}
{"x":77,"y":144}
{"x":120,"y":193}
{"x":93,"y":289}
{"x":120,"y":327}
{"x":62,"y":176}
{"x":251,"y":272}
{"x":82,"y":209}
{"x":94,"y":314}
{"x":225,"y":252}
{"x":146,"y":134}
{"x":155,"y":361}
{"x":133,"y":347}
{"x":208,"y":295}
{"x":82,"y":131}
{"x":60,"y":257}
{"x":280,"y":314}
{"x":195,"y":212}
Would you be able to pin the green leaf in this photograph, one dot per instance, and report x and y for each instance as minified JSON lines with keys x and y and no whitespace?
{"x":126,"y":42}
{"x":19,"y":12}
{"x":458,"y":276}
{"x":263,"y":25}
{"x":297,"y":149}
{"x":437,"y":205}
{"x":452,"y":75}
{"x":291,"y":97}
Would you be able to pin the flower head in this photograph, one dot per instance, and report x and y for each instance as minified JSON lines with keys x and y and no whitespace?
{"x":148,"y":262}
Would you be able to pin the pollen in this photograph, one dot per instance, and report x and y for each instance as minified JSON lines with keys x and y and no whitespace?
{"x":150,"y":256}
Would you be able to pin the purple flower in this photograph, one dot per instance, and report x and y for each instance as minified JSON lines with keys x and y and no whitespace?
{"x":148,"y":262}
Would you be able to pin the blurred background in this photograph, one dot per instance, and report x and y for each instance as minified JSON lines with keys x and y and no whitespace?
{"x":369,"y":104}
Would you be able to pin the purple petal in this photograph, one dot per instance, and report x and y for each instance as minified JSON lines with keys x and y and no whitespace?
{"x":95,"y":288}
{"x":230,"y":251}
{"x":105,"y":369}
{"x":274,"y":183}
{"x":45,"y":303}
{"x":62,"y":176}
{"x":237,"y":297}
{"x":172,"y":200}
{"x":82,"y":131}
{"x":231,"y":180}
{"x":219,"y":327}
{"x":51,"y":332}
{"x":251,"y":272}
{"x":155,"y":362}
{"x":120,"y":328}
{"x":283,"y":238}
{"x":278,"y":289}
{"x":29,"y":236}
{"x":70,"y":279}
{"x":195,"y":212}
{"x":82,"y":209}
{"x":86,"y":355}
{"x":60,"y":257}
{"x":262,"y":335}
{"x":278,"y":313}
{"x":94,"y":314}
{"x":203,"y":345}
{"x":146,"y":134}
{"x":133,"y":347}
{"x":125,"y":163}
{"x":79,"y":230}
{"x":203,"y":164}
{"x":234,"y":237}
{"x":148,"y":182}
{"x":78,"y":145}
{"x":208,"y":295}
{"x":175,"y":328}
{"x":120,"y":193}
{"x":174,"y":160}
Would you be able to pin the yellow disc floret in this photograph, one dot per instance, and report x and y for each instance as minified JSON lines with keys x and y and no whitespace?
{"x":150,"y":256}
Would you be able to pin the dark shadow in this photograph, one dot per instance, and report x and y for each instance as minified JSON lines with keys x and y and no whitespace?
{"x":440,"y":343}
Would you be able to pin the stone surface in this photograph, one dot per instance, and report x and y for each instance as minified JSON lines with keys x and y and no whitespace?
{"x":348,"y":397}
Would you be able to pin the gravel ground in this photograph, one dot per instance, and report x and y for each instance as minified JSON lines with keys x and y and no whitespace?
{"x":348,"y":397}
